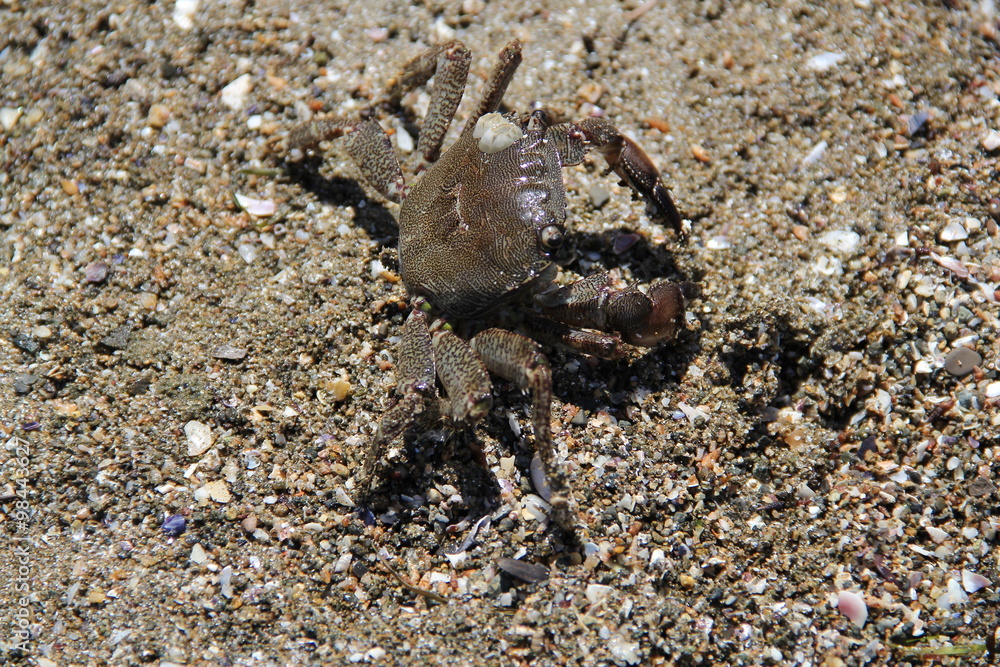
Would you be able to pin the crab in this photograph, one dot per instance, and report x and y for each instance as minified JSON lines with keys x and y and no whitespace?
{"x":477,"y":235}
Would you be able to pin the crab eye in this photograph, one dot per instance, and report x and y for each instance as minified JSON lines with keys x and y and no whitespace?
{"x":552,"y":236}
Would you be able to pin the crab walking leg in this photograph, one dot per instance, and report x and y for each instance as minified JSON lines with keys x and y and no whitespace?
{"x":499,"y":79}
{"x":367,"y":144}
{"x":418,"y":401}
{"x":465,"y":379}
{"x":518,"y":359}
{"x":449,"y":65}
{"x":642,"y":318}
{"x":623,"y":156}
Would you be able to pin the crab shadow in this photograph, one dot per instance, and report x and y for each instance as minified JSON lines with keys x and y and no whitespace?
{"x":450,"y":465}
{"x":370,"y":214}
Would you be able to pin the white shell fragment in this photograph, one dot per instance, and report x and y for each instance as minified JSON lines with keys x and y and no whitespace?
{"x":495,"y":133}
{"x":218,"y":491}
{"x":404,"y":142}
{"x":235,"y":94}
{"x":816,"y":154}
{"x":597,"y":592}
{"x":953,"y":596}
{"x":824,"y":61}
{"x":938,"y":535}
{"x":853,"y":607}
{"x":9,"y":117}
{"x":342,"y":497}
{"x":953,"y":231}
{"x":260,"y":208}
{"x":226,"y":581}
{"x":199,"y":437}
{"x":184,"y":11}
{"x":843,"y":241}
{"x":198,"y":555}
{"x":539,"y":480}
{"x":972,"y":582}
{"x":624,"y":651}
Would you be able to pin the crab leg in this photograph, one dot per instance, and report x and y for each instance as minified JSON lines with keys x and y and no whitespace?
{"x":449,"y":64}
{"x":642,"y":318}
{"x":499,"y":79}
{"x":367,"y":144}
{"x":518,"y":359}
{"x":418,"y":401}
{"x":465,"y":380}
{"x":623,"y":156}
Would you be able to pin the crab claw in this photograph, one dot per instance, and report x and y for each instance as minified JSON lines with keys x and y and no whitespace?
{"x":646,"y":319}
{"x":633,"y":166}
{"x":638,"y":171}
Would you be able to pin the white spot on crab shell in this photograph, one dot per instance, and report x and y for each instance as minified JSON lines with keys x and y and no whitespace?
{"x":495,"y":133}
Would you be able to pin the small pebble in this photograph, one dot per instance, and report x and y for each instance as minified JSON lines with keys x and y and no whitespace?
{"x":24,"y":382}
{"x":158,"y":115}
{"x":96,"y":272}
{"x":174,"y":525}
{"x":229,"y":352}
{"x":529,"y":572}
{"x":981,"y":487}
{"x":198,"y":555}
{"x":961,"y":361}
{"x":235,"y":94}
{"x":991,"y":141}
{"x":117,"y":339}
{"x":148,"y":300}
{"x":599,"y":195}
{"x":953,"y":231}
{"x":26,"y":343}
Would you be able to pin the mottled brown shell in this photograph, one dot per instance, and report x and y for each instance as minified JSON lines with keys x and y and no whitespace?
{"x":471,"y":230}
